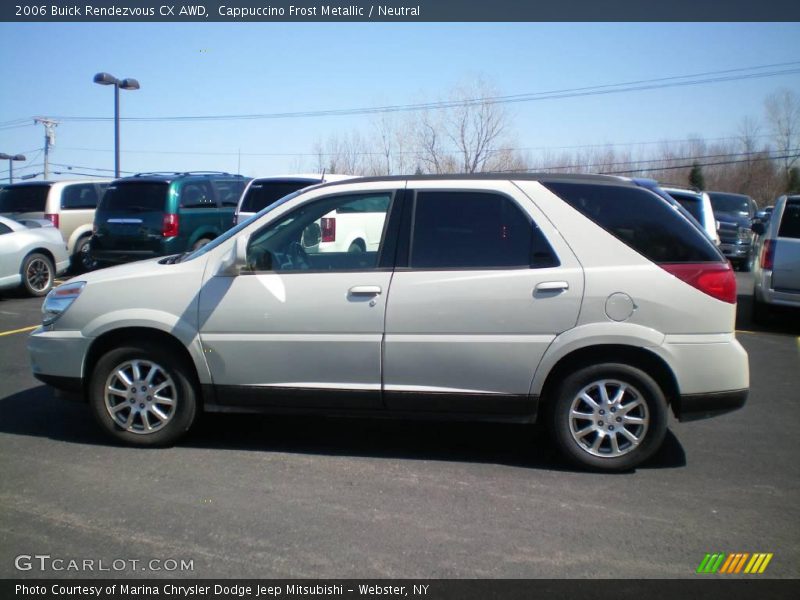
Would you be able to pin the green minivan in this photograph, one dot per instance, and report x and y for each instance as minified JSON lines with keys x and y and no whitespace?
{"x":158,"y":214}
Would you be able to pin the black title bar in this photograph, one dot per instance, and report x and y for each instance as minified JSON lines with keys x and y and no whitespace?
{"x":393,"y":11}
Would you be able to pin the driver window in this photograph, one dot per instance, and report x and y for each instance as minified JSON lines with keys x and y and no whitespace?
{"x":332,"y":234}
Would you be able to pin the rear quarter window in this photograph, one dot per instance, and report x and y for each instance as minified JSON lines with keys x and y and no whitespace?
{"x":790,"y":221}
{"x":79,"y":196}
{"x":640,"y":219}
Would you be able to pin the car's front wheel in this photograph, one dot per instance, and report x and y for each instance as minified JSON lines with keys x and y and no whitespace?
{"x":609,"y":417}
{"x":38,"y":274}
{"x":143,"y":395}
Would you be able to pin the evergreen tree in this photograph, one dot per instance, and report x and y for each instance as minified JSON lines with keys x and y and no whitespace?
{"x":696,"y":178}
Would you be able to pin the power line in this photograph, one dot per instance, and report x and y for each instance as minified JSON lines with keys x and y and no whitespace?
{"x":710,"y":164}
{"x":628,"y":86}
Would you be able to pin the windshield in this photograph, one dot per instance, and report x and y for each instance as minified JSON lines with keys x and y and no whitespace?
{"x":730,"y":203}
{"x":135,"y":197}
{"x":264,"y":192}
{"x":23,"y":198}
{"x":233,"y":231}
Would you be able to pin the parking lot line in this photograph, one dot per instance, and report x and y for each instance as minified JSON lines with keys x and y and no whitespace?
{"x":22,"y":330}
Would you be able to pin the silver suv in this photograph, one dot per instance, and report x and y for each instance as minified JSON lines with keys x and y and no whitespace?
{"x":776,"y":268}
{"x":587,"y":302}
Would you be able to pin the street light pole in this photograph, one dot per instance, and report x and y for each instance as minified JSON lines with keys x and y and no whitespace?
{"x":125,"y":84}
{"x":11,"y":158}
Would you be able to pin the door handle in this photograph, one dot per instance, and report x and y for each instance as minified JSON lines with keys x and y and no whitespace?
{"x":365,"y":290}
{"x":551,"y":286}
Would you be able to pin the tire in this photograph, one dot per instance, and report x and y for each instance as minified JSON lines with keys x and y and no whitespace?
{"x":81,"y":260}
{"x":357,"y":247}
{"x":200,"y":243}
{"x":38,"y":274}
{"x":642,"y":402}
{"x":761,"y":314}
{"x":135,"y":411}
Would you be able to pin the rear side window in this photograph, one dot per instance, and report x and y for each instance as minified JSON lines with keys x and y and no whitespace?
{"x":4,"y":229}
{"x":640,"y":219}
{"x":475,"y":230}
{"x":197,"y":194}
{"x":790,"y":221}
{"x":77,"y":196}
{"x":135,"y":197}
{"x":25,"y":198}
{"x":263,"y":193}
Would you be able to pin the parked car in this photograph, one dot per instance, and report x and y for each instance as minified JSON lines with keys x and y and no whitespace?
{"x":699,"y":206}
{"x":735,"y":213}
{"x":69,"y":205}
{"x":776,"y":270}
{"x":157,"y":214}
{"x":263,"y":191}
{"x":32,"y":254}
{"x":583,"y":301}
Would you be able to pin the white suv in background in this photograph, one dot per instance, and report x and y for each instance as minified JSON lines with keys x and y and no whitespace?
{"x":586,"y":302}
{"x":263,"y":191}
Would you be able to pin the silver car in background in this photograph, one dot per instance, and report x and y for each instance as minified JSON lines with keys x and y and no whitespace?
{"x":32,"y":253}
{"x":776,"y":265}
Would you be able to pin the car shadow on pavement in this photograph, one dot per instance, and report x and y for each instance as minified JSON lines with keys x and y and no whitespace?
{"x":35,"y":412}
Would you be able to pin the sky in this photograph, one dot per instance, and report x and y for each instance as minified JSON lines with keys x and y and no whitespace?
{"x":188,"y":69}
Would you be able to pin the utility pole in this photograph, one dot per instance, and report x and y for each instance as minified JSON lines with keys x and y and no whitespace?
{"x":49,"y":140}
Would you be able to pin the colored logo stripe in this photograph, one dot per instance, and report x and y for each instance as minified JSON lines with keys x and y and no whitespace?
{"x":734,"y":563}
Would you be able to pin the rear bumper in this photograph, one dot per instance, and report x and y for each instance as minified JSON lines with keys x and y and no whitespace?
{"x":692,"y":407}
{"x":764,"y":293}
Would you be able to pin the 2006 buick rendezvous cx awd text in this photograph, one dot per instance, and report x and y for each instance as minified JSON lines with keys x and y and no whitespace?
{"x":584,"y":301}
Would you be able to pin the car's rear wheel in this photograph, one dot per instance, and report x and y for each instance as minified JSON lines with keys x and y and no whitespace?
{"x":761,"y":312}
{"x":81,"y":260}
{"x":38,"y":274}
{"x":143,"y":395}
{"x":357,"y":247}
{"x":609,"y":417}
{"x":200,"y":243}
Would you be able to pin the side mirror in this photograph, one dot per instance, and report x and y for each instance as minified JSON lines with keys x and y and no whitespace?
{"x":760,"y":215}
{"x":236,"y":260}
{"x":758,"y":228}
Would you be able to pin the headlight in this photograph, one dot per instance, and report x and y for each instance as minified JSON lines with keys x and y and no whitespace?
{"x":744,"y":234}
{"x":59,"y":300}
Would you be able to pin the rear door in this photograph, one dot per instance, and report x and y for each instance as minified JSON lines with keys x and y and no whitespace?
{"x":478,"y":295}
{"x":786,"y":266}
{"x":198,"y":213}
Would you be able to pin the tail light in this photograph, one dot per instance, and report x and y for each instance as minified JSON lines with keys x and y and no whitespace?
{"x":53,"y":218}
{"x":768,"y":255}
{"x":170,"y":225}
{"x":328,"y":226}
{"x":715,"y":279}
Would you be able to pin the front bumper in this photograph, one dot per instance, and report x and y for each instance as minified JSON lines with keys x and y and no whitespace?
{"x":57,"y":358}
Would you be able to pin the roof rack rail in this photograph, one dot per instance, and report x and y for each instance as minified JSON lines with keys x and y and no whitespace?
{"x":208,"y":173}
{"x":680,"y":186}
{"x":150,"y":173}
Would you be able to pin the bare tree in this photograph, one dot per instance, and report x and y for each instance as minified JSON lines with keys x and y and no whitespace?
{"x":783,"y":116}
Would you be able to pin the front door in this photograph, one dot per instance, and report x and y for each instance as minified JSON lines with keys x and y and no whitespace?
{"x":302,"y":327}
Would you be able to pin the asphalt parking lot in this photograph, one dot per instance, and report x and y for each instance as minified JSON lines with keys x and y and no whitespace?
{"x":298,"y":497}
